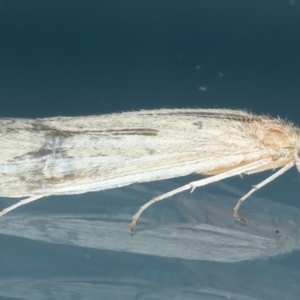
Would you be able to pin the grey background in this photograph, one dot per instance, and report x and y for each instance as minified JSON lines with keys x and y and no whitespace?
{"x":78,"y":58}
{"x":92,"y":57}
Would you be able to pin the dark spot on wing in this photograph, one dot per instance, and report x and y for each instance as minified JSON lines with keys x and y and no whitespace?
{"x":151,"y":151}
{"x":133,"y":131}
{"x":199,"y":124}
{"x":215,"y":115}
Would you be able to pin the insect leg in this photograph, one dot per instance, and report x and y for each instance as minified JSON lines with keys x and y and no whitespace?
{"x":20,"y":203}
{"x":257,"y":187}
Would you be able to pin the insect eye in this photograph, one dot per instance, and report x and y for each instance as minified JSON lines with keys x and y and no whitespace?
{"x":298,"y":154}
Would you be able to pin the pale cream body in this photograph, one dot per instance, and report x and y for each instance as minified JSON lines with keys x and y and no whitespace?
{"x":72,"y":155}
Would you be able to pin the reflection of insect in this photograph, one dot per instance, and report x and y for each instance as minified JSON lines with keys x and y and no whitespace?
{"x":60,"y":156}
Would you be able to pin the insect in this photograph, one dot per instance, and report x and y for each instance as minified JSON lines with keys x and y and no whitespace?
{"x":73,"y":155}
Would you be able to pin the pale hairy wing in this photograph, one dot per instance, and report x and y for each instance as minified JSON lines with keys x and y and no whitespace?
{"x":67,"y":155}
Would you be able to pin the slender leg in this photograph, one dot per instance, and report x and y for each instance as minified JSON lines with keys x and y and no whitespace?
{"x":257,"y":187}
{"x":202,"y":182}
{"x":20,"y":203}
